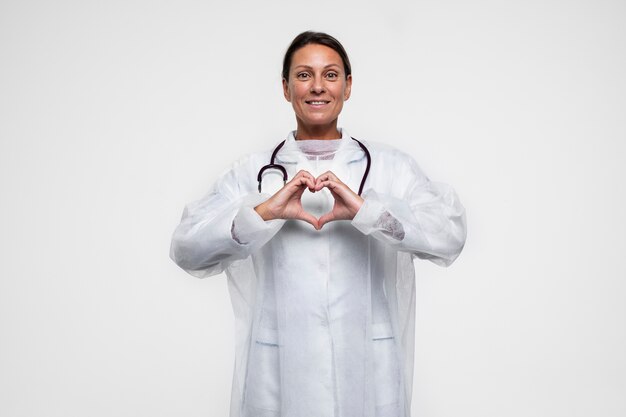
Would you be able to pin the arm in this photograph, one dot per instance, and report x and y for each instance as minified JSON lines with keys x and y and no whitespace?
{"x":428,"y":219}
{"x":221,"y":227}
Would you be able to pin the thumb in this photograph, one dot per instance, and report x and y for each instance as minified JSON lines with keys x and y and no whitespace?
{"x":326,"y":218}
{"x":309,"y":218}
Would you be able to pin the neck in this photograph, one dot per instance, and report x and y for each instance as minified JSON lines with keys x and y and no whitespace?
{"x":318,"y":132}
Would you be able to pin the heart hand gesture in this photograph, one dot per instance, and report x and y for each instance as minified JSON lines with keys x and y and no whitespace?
{"x":287,"y":204}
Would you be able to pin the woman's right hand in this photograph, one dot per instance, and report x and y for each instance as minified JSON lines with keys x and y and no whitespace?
{"x":287,"y":204}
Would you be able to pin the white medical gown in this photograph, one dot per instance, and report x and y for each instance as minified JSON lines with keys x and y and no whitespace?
{"x":324,"y":319}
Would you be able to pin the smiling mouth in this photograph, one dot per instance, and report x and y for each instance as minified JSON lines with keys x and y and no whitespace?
{"x":316,"y":102}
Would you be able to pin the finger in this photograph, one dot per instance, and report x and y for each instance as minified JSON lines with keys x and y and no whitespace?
{"x":310,"y":184}
{"x":309,"y":218}
{"x":326,"y":218}
{"x":304,"y":178}
{"x":332,"y":185}
{"x":328,"y":175}
{"x":338,"y":187}
{"x":305,"y":174}
{"x":343,"y":194}
{"x":299,"y":183}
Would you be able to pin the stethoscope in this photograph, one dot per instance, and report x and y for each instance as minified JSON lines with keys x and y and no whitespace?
{"x":282,"y":169}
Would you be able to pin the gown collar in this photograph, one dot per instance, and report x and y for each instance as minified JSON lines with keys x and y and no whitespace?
{"x":348,"y":151}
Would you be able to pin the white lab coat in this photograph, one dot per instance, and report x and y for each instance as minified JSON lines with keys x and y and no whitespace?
{"x":324,"y":319}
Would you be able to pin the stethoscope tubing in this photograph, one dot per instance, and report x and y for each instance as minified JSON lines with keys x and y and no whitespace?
{"x":274,"y":165}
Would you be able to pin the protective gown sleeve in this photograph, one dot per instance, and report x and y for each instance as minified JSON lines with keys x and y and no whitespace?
{"x":222,"y":227}
{"x":427,"y":219}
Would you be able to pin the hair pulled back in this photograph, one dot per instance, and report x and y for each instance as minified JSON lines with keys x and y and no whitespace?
{"x":319,"y":38}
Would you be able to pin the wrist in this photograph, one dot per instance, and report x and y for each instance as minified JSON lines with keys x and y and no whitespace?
{"x":358,"y":203}
{"x":262,"y":211}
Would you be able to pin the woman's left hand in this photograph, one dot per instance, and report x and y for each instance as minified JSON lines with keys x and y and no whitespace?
{"x":347,"y":202}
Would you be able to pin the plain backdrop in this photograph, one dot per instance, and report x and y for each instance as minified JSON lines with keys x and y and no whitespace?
{"x":114,"y":115}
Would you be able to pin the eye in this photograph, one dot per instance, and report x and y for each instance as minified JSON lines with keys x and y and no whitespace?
{"x":332,"y":75}
{"x":302,"y":75}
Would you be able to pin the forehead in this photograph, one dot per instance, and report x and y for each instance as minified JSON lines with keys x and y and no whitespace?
{"x":315,"y":55}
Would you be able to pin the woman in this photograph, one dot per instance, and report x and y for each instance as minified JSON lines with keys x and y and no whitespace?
{"x":320,"y":274}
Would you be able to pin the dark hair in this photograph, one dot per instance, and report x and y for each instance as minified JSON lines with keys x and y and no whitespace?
{"x":320,"y":38}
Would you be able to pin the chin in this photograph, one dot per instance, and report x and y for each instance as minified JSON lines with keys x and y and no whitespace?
{"x":318,"y":121}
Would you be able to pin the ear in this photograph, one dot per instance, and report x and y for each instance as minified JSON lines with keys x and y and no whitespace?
{"x":348,"y":89}
{"x":286,"y":90}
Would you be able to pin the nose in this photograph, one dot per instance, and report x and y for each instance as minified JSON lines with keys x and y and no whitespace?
{"x":317,"y":86}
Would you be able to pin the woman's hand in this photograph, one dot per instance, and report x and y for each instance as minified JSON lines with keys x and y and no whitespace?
{"x":347,"y":202}
{"x":286,"y":203}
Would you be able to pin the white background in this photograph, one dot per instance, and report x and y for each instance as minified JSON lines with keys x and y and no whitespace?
{"x":114,"y":115}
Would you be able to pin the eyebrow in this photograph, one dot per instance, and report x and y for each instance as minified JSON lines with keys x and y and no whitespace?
{"x":310,"y":67}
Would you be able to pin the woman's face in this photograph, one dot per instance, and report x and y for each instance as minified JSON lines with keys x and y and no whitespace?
{"x":317,"y":87}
